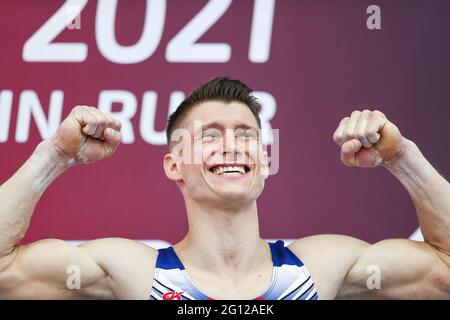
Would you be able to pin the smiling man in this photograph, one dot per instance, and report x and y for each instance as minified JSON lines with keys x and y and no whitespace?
{"x":217,"y":161}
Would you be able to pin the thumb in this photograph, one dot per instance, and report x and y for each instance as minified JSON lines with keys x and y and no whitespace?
{"x":349,"y":150}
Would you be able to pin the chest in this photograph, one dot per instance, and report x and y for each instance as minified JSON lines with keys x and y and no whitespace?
{"x":247,"y":287}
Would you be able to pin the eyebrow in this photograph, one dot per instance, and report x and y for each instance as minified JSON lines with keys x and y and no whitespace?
{"x":220,"y":126}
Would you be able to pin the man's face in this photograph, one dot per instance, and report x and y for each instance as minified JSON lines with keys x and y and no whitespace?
{"x":221,"y":158}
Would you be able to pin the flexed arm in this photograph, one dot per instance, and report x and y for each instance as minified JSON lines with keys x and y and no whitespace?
{"x":369,"y":139}
{"x":85,"y":136}
{"x":404,"y":268}
{"x":408,"y":269}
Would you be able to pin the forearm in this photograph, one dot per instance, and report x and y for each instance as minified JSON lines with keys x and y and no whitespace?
{"x":429,"y":191}
{"x":19,"y":195}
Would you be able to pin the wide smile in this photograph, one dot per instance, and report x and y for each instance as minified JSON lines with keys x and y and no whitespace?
{"x":230,"y":170}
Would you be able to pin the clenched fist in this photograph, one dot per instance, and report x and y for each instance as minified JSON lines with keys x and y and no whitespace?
{"x":87,"y":135}
{"x":368,"y":139}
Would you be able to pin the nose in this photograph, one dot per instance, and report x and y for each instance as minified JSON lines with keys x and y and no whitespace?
{"x":229,"y":144}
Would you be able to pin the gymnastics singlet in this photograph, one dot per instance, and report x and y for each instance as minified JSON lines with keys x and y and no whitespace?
{"x":290,"y":278}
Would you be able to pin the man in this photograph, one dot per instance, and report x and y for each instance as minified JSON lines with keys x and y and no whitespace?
{"x":222,"y":255}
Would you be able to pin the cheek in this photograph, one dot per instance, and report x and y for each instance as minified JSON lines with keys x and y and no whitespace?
{"x":191,"y":172}
{"x":259,"y":184}
{"x":191,"y":154}
{"x":208,"y":150}
{"x":256,"y":153}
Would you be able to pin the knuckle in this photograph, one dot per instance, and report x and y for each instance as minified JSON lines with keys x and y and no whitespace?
{"x":346,"y":137}
{"x":347,"y":134}
{"x":337,"y":137}
{"x":110,"y":119}
{"x":78,"y":108}
{"x":360,"y":135}
{"x":356,"y":113}
{"x":379,"y":113}
{"x":336,"y":134}
{"x":370,"y":135}
{"x":115,"y":123}
{"x":344,"y":120}
{"x":372,"y":117}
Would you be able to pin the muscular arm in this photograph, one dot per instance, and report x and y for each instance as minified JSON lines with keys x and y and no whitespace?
{"x":347,"y":268}
{"x":429,"y":191}
{"x":39,"y":270}
{"x":406,"y":269}
{"x":21,"y":192}
{"x":42,"y":270}
{"x":411,"y":269}
{"x":110,"y":268}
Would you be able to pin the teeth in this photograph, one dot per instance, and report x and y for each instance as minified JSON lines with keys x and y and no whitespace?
{"x":221,"y":169}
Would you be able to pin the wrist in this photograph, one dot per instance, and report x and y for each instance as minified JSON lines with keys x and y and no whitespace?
{"x":48,"y":151}
{"x":44,"y":165}
{"x":407,"y":157}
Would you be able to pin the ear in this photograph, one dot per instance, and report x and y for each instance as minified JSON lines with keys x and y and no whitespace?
{"x":171,"y":167}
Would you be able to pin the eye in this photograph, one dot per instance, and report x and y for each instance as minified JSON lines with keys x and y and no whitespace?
{"x":211,"y":134}
{"x":246,"y":134}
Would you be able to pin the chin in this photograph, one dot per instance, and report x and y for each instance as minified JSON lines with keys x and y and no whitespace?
{"x":237,"y":197}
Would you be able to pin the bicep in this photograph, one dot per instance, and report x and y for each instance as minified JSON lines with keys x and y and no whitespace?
{"x":398,"y":268}
{"x":52,"y":269}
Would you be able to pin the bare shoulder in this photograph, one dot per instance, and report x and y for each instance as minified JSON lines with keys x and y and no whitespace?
{"x":129,"y":264}
{"x":341,"y":265}
{"x":101,"y":269}
{"x":328,"y":258}
{"x":107,"y":249}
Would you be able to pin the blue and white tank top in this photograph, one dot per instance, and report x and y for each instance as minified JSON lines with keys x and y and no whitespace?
{"x":290,"y":278}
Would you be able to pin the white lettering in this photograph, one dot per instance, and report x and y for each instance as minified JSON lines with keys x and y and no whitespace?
{"x":129,"y":107}
{"x":261,"y":33}
{"x":39,"y":47}
{"x":182,"y":48}
{"x":74,"y":279}
{"x":374,"y":21}
{"x":148,"y":115}
{"x":29,"y":105}
{"x":267,"y":112}
{"x":6,"y":98}
{"x":151,"y":36}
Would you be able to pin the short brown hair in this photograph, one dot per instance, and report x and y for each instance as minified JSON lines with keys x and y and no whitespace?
{"x":221,"y":89}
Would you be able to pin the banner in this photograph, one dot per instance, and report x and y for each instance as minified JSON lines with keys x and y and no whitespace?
{"x":311,"y":63}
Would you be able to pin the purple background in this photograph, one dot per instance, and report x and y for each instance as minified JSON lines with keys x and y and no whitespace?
{"x":323,"y":64}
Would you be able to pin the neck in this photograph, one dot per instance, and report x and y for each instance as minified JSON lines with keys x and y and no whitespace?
{"x":230,"y":240}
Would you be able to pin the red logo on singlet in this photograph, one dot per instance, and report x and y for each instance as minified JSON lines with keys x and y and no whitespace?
{"x":172,"y":295}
